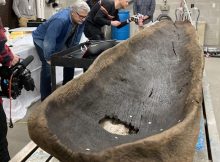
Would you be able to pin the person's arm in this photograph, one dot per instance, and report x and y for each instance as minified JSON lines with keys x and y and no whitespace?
{"x":15,"y":8}
{"x":49,"y":44}
{"x":15,"y":59}
{"x":6,"y":56}
{"x":101,"y":19}
{"x":123,"y":23}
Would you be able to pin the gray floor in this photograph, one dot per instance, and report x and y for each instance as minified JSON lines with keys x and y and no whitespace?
{"x":18,"y":136}
{"x":212,"y":73}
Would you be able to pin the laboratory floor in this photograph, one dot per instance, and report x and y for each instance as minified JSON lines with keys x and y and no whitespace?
{"x":18,"y":136}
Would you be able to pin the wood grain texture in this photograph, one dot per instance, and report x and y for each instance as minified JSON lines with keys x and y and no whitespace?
{"x":155,"y":77}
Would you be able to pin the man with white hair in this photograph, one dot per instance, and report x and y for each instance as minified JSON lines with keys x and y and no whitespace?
{"x":61,"y":31}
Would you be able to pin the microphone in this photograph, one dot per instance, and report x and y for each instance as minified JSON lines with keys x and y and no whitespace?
{"x":27,"y":61}
{"x":20,"y":67}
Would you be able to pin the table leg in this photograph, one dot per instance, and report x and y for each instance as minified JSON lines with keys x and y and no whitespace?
{"x":53,"y":77}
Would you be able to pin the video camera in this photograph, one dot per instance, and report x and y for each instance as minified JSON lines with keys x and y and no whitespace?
{"x":15,"y":78}
{"x":135,"y":18}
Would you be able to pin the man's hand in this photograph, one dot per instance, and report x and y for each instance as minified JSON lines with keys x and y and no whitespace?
{"x":137,"y":17}
{"x":145,"y":17}
{"x":140,"y":22}
{"x":15,"y":59}
{"x":115,"y":23}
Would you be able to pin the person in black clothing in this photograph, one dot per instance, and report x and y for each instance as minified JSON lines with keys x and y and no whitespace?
{"x":91,"y":3}
{"x":104,"y":12}
{"x":7,"y":58}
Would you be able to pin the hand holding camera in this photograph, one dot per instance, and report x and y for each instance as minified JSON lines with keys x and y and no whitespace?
{"x":136,"y":18}
{"x":15,"y":78}
{"x":15,"y":60}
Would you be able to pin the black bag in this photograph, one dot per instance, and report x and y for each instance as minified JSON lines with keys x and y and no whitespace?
{"x":95,"y":48}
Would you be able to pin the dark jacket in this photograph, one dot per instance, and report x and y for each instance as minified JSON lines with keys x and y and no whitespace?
{"x":98,"y":18}
{"x":91,"y":3}
{"x":6,"y":55}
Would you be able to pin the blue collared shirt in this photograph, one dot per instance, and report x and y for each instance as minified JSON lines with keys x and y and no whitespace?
{"x":52,"y":35}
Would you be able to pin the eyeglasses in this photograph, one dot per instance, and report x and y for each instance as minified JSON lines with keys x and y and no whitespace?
{"x":81,"y":16}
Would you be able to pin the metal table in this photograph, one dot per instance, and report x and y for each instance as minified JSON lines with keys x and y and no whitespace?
{"x":80,"y":56}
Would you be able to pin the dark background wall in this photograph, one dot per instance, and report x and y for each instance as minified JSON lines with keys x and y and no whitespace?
{"x":8,"y":16}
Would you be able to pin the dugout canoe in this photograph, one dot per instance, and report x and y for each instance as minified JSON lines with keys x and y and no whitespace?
{"x":151,"y":85}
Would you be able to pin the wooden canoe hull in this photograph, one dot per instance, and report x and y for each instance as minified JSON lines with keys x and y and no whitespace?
{"x":151,"y":83}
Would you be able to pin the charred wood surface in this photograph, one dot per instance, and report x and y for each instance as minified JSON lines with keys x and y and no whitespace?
{"x":151,"y":83}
